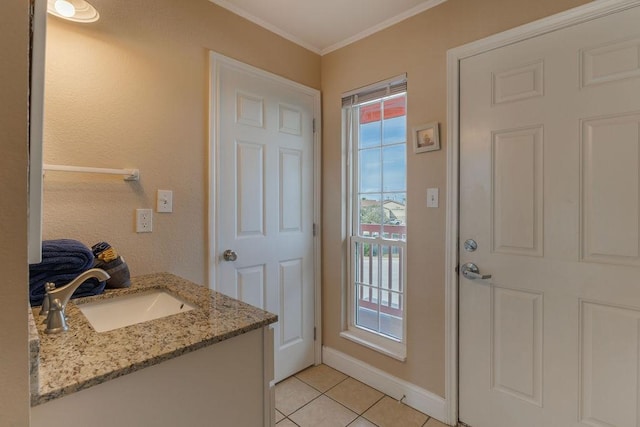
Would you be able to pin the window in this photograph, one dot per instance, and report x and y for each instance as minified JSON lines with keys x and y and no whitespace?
{"x":376,"y":133}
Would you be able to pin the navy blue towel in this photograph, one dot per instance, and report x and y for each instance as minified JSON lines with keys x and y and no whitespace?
{"x":89,"y":288}
{"x":63,"y":255}
{"x":62,"y":261}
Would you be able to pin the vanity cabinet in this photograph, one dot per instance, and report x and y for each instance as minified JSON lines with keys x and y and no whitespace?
{"x":208,"y":366}
{"x":225,"y":384}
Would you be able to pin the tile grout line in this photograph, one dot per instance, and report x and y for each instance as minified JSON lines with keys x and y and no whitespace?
{"x":303,"y":382}
{"x":358,"y":415}
{"x":320,"y":391}
{"x":363,"y":412}
{"x":309,"y":402}
{"x":340,"y":382}
{"x":348,"y":409}
{"x":374,"y":404}
{"x":333,"y":400}
{"x":321,"y":394}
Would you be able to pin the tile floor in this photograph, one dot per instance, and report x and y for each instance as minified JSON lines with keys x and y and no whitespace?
{"x":320,"y":396}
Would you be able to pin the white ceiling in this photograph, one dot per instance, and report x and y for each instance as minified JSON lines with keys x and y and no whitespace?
{"x":326,"y":25}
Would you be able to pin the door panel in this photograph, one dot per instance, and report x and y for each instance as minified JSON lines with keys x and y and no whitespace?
{"x":612,"y":61}
{"x":610,"y":153}
{"x":517,"y":181}
{"x":250,"y":285}
{"x":265,"y":205}
{"x":291,"y":294}
{"x":516,"y":336}
{"x":291,"y":197}
{"x":250,"y":181}
{"x":550,"y":191}
{"x":609,"y":380}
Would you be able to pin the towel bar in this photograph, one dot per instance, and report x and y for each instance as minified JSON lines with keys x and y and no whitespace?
{"x":129,"y":174}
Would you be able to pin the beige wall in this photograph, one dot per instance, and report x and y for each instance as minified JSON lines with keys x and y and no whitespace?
{"x":418,"y":47}
{"x":131,"y":91}
{"x":14,"y":85}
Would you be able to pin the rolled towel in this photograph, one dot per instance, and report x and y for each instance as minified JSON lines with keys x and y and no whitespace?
{"x":62,"y":261}
{"x":63,"y":255}
{"x":88,"y":288}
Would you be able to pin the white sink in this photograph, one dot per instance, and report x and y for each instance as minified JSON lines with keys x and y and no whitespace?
{"x":118,"y":312}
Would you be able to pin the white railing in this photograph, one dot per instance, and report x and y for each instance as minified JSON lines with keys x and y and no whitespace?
{"x":377,"y":277}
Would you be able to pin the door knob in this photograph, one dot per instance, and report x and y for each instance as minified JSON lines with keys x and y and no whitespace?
{"x":471,"y":271}
{"x":229,"y":255}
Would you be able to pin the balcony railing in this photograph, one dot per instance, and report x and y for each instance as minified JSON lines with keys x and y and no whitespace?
{"x":378,"y":270}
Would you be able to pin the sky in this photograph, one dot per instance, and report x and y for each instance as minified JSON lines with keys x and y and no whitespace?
{"x":383,"y":138}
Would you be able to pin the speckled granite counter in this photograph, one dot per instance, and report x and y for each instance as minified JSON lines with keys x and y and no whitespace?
{"x":82,"y":357}
{"x":34,"y":351}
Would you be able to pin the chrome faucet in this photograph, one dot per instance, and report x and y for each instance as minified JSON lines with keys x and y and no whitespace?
{"x":57,"y":300}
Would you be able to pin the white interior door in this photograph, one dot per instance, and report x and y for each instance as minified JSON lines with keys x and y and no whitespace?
{"x":550,"y":192}
{"x":265,"y":204}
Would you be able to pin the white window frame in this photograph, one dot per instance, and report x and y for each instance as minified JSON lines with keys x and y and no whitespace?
{"x":387,"y":345}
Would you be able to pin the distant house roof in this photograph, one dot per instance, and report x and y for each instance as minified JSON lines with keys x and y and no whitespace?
{"x":387,"y":203}
{"x":366,"y":203}
{"x":394,"y":202}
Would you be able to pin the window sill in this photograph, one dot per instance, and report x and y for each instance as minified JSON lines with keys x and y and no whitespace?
{"x":388,"y":347}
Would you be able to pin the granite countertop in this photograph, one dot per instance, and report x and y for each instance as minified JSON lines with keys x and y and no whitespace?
{"x":81,"y":357}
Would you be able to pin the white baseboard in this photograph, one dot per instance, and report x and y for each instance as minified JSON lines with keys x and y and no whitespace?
{"x":416,"y":397}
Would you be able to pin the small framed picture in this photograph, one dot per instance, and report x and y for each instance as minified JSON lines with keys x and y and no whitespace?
{"x":426,"y":138}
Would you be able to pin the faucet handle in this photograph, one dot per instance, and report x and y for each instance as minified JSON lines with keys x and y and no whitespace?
{"x":46,"y":302}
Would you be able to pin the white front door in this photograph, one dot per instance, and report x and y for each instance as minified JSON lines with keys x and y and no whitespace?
{"x":550,"y":192}
{"x":265,"y":203}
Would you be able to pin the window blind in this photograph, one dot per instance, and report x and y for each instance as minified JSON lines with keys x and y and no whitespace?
{"x":374,"y":91}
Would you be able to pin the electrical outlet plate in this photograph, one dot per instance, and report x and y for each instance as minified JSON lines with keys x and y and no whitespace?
{"x":144,"y":220}
{"x":164,"y":201}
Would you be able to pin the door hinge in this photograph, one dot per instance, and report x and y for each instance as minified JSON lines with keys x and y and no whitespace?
{"x":315,"y":229}
{"x":314,"y":125}
{"x":314,"y":333}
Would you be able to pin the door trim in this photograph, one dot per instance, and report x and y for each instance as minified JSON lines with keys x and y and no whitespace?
{"x":561,"y":20}
{"x":215,"y":61}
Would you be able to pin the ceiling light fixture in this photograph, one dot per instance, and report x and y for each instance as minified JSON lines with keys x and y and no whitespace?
{"x":73,"y":10}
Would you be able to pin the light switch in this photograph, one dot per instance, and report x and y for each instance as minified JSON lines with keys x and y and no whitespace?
{"x":165,"y":201}
{"x":432,"y":197}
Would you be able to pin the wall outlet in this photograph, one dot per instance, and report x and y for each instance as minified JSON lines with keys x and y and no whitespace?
{"x":144,"y":220}
{"x":164,"y":201}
